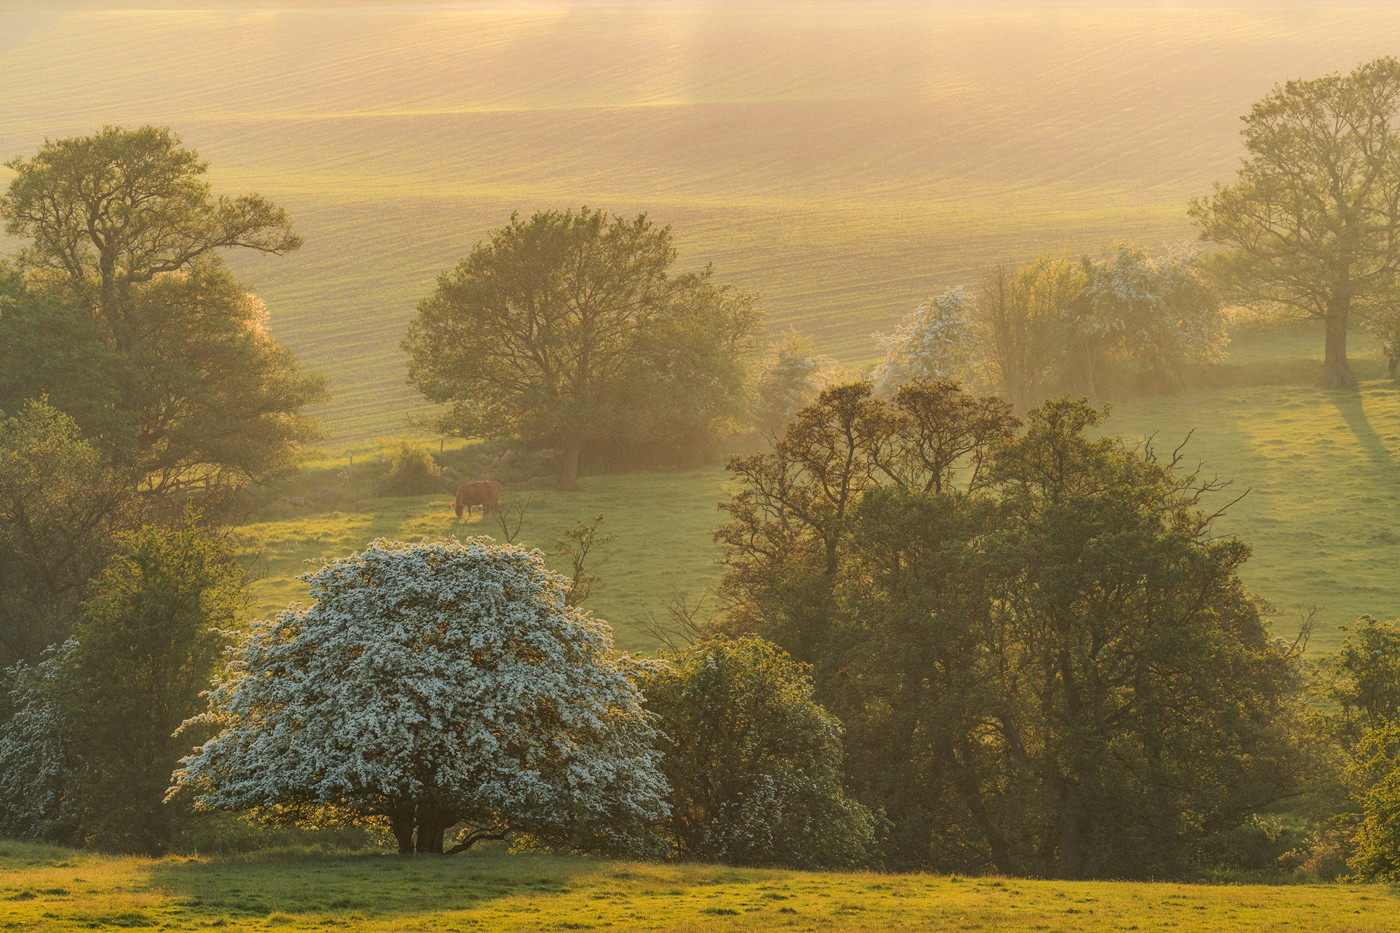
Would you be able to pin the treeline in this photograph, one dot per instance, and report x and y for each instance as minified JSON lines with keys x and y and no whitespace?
{"x":1055,"y":326}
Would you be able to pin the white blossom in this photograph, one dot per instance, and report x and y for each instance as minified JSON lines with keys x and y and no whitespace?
{"x":451,"y":677}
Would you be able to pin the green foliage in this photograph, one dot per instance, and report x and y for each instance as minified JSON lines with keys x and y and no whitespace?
{"x":61,"y":510}
{"x":1091,"y":326}
{"x":161,"y":357}
{"x":1311,"y":220}
{"x":53,"y":348}
{"x":753,"y":760}
{"x":412,"y":471}
{"x":1361,"y":684}
{"x":87,"y":756}
{"x":575,"y":545}
{"x":1376,"y":772}
{"x":1074,"y":678}
{"x":568,"y":330}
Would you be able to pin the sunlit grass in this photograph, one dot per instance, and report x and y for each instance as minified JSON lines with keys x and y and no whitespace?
{"x":53,"y":889}
{"x":662,"y":522}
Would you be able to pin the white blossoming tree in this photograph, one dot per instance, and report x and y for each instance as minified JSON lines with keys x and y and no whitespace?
{"x":932,"y":343}
{"x":431,"y":686}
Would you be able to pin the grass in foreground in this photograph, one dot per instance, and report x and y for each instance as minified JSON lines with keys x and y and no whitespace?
{"x":44,"y":888}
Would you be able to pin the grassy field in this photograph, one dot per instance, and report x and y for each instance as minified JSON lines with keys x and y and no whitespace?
{"x":662,"y":521}
{"x":842,"y":159}
{"x":1321,"y":471}
{"x":51,"y":889}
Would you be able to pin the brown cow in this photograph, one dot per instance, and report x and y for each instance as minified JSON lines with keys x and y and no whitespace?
{"x":485,"y":493}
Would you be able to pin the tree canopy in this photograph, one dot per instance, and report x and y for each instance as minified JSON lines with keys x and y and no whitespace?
{"x":122,"y":313}
{"x":569,"y":330}
{"x":432,"y":685}
{"x":753,"y":760}
{"x":115,"y":209}
{"x":1044,"y":661}
{"x":1312,"y":221}
{"x":62,"y":509}
{"x":86,"y":758}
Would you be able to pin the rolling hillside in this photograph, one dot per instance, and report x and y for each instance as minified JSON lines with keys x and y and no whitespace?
{"x":842,"y":159}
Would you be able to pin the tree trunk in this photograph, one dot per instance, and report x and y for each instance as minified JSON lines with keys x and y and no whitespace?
{"x":430,"y":833}
{"x":566,"y":478}
{"x":1392,"y":361}
{"x":1336,"y":372}
{"x":1070,"y":863}
{"x":402,"y":824}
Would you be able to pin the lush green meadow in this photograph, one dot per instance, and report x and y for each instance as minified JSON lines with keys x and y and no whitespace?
{"x":44,"y":888}
{"x":662,"y":521}
{"x":1319,"y":470}
{"x":842,"y":159}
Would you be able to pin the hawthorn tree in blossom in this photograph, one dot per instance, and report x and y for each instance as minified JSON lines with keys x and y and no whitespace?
{"x":429,"y":686}
{"x":933,"y":342}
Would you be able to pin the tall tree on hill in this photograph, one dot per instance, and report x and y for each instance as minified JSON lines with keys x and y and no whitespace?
{"x":121,"y":286}
{"x":113,"y":210}
{"x":1312,"y":221}
{"x":569,"y":330}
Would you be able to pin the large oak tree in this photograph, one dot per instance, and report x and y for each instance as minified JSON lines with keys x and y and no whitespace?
{"x":122,"y":313}
{"x":570,"y":331}
{"x":1312,"y":222}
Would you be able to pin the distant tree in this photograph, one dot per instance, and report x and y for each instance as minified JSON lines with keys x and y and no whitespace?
{"x":569,"y":331}
{"x":109,"y":211}
{"x":87,"y":756}
{"x":432,"y":685}
{"x":1056,"y":325}
{"x":753,"y":761}
{"x":174,"y":373}
{"x":1018,"y":319}
{"x":1312,"y":222}
{"x":1161,"y":314}
{"x":693,"y":369}
{"x":791,"y":378}
{"x":62,"y":509}
{"x":932,"y":342}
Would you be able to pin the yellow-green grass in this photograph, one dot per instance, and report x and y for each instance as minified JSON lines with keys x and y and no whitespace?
{"x":844,"y":160}
{"x":1322,"y":470}
{"x":43,"y":888}
{"x":663,"y":547}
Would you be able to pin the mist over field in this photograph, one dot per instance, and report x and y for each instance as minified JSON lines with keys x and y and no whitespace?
{"x":843,"y":160}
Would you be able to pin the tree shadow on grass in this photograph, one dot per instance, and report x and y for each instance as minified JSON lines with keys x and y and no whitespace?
{"x":1352,"y":407}
{"x":331,"y":889}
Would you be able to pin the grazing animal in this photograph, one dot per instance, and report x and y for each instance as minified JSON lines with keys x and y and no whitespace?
{"x":485,"y":493}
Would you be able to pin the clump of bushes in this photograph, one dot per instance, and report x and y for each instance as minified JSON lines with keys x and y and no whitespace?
{"x":412,"y":471}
